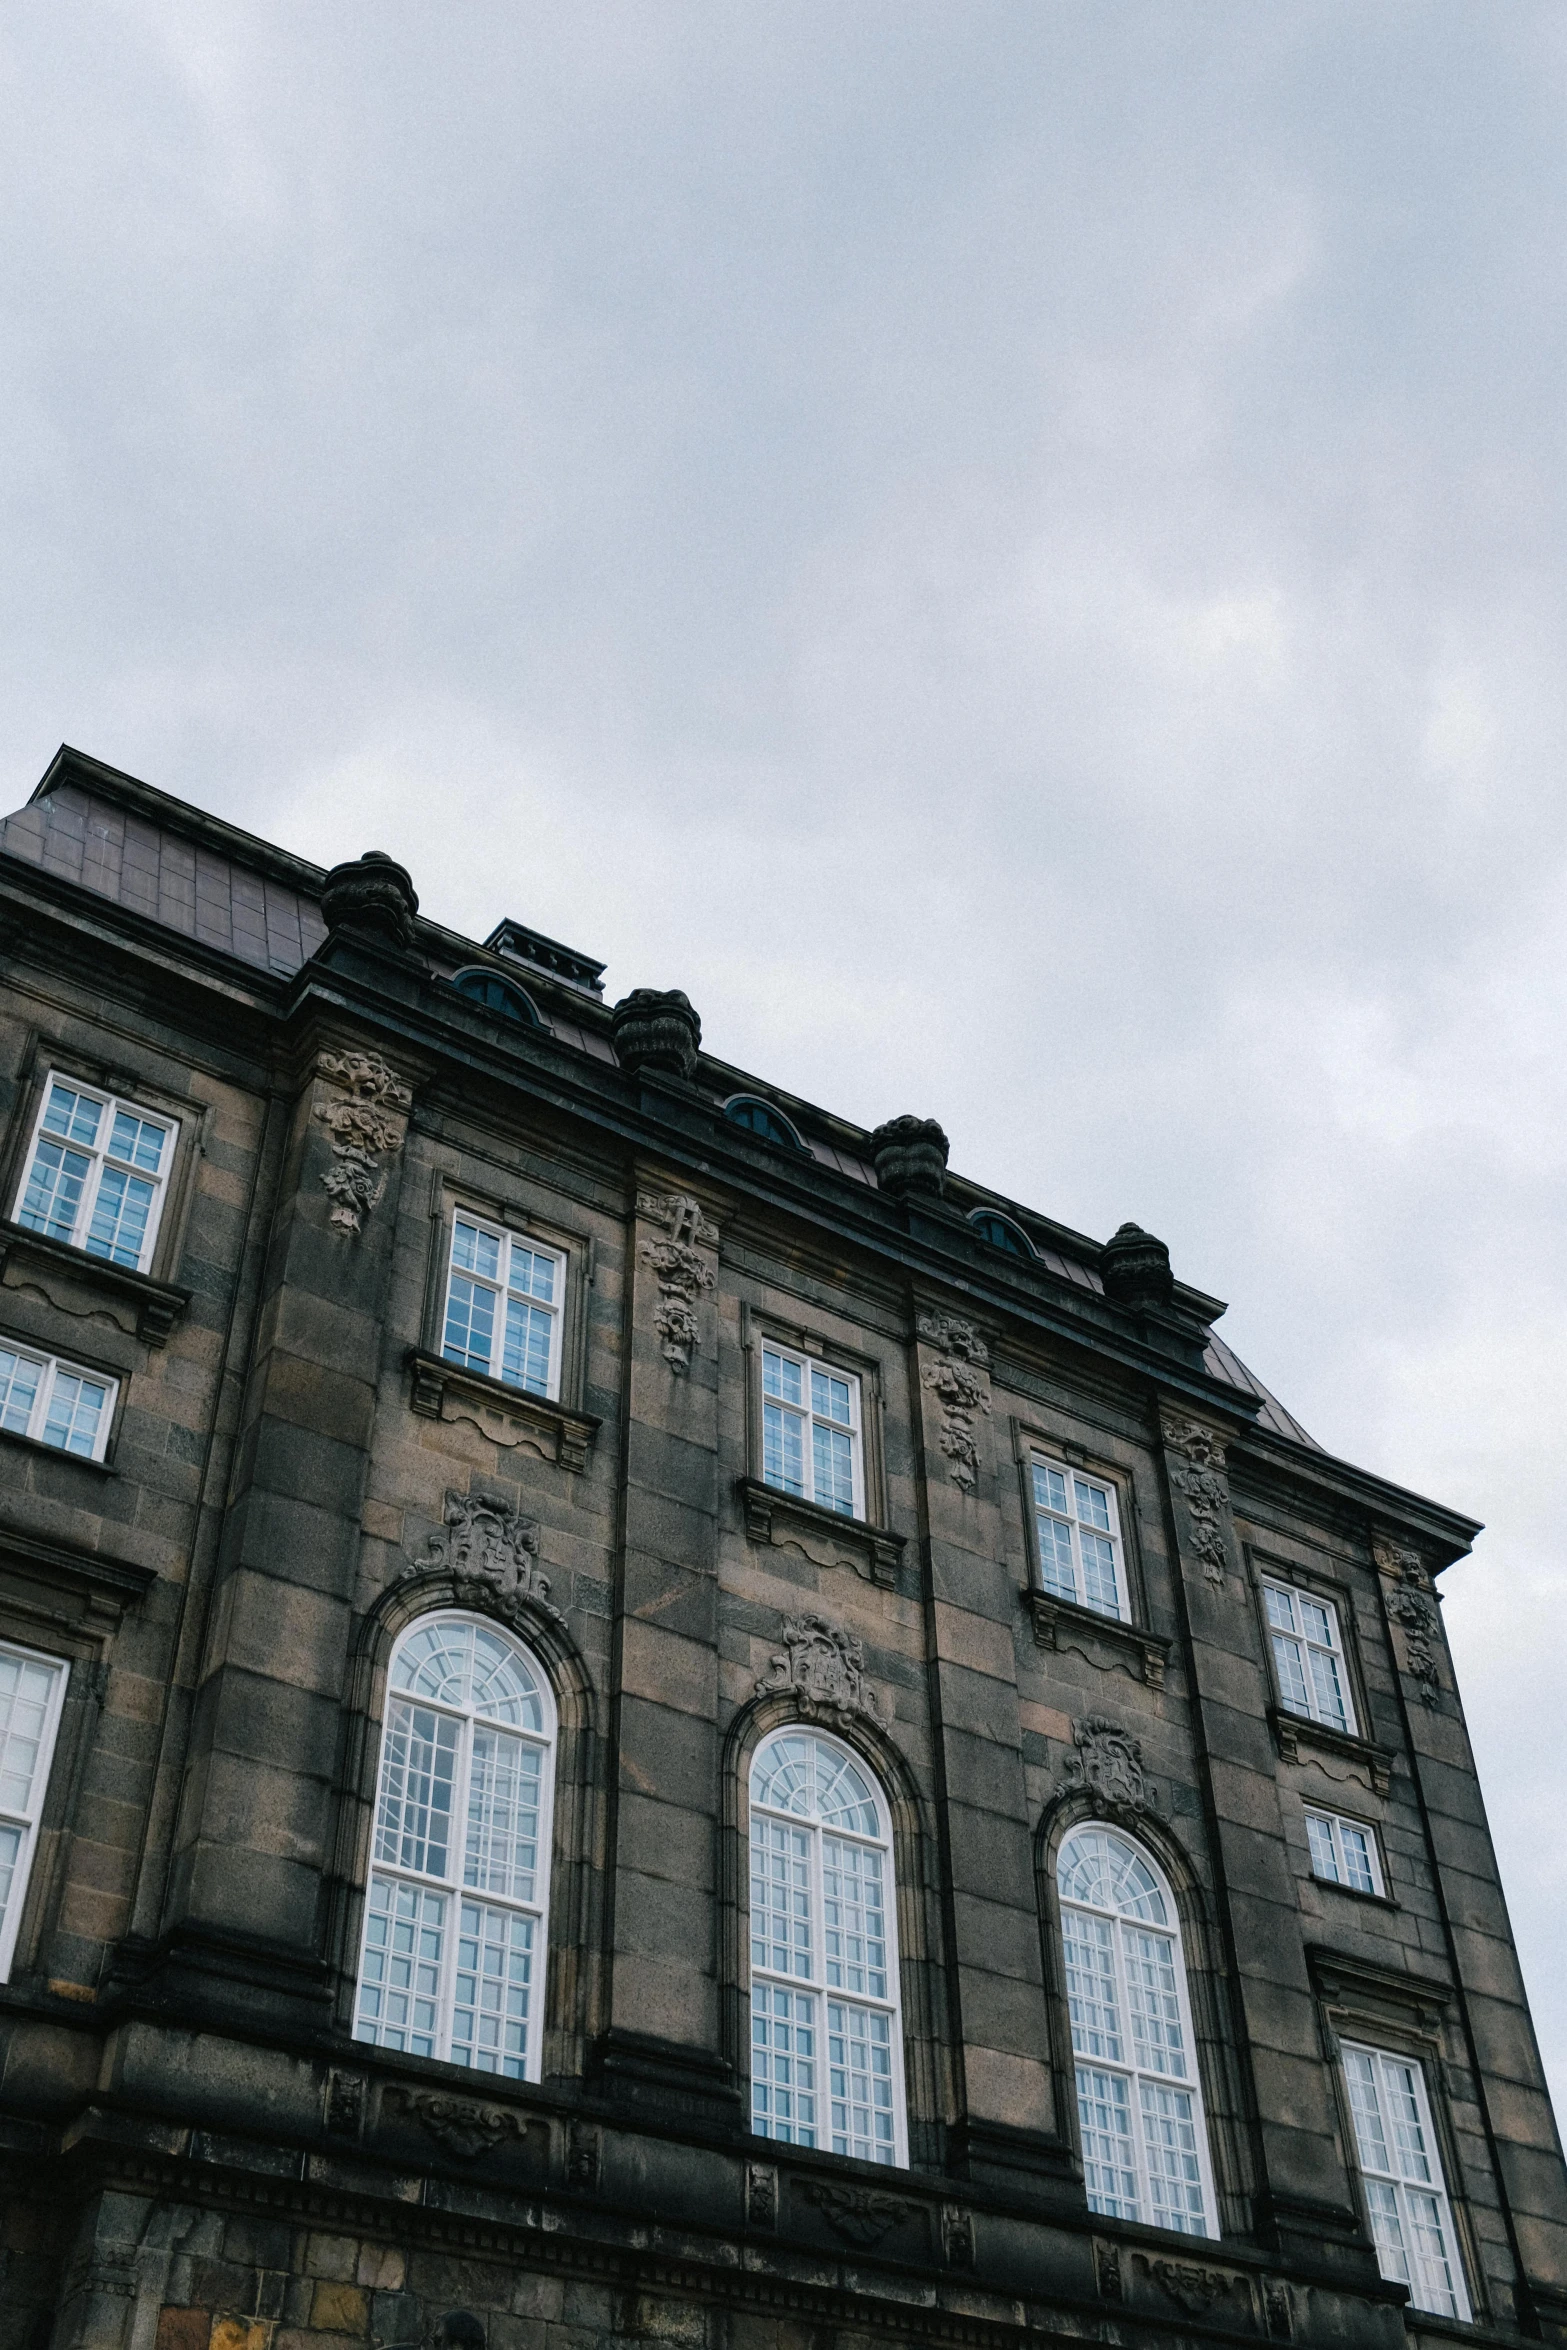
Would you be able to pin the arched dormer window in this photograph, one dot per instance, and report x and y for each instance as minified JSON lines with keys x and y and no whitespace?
{"x":457,"y":1908}
{"x":496,"y":995}
{"x":1000,"y":1233}
{"x":1139,"y":2101}
{"x":826,"y":2027}
{"x":760,"y":1119}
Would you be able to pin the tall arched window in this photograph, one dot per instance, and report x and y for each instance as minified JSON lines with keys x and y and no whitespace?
{"x":826,"y":2038}
{"x":457,"y":1907}
{"x":1139,"y":2102}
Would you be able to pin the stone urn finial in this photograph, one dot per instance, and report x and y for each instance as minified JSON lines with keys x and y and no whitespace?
{"x":656,"y":1032}
{"x":371,"y":893}
{"x":1135,"y":1269}
{"x":910,"y":1158}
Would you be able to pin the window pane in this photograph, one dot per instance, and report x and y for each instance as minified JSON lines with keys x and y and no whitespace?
{"x":783,"y":1449}
{"x":53,"y":1198}
{"x":502,"y":1853}
{"x":1049,"y":1488}
{"x":859,"y":2082}
{"x":833,"y":1467}
{"x":75,"y":1413}
{"x":841,"y":1793}
{"x":1387,"y":2230}
{"x":1281,"y":1608}
{"x":1357,"y":1857}
{"x":118,"y":1229}
{"x":418,"y":1768}
{"x":492,"y":1989}
{"x":474,"y":1250}
{"x":783,"y":2065}
{"x":25,"y":1687}
{"x":19,"y":1377}
{"x":782,"y":1376}
{"x":1090,"y":1984}
{"x":830,"y":1397}
{"x":1104,"y":2114}
{"x":1324,"y":1857}
{"x":1316,"y":1621}
{"x":1436,"y":2285}
{"x":1403,"y":2106}
{"x":466,"y":1664}
{"x":1292,"y":1675}
{"x":470,"y":1324}
{"x":1056,"y":1569}
{"x":10,"y":1859}
{"x":137,"y":1141}
{"x":525,"y":1361}
{"x":401,"y":1981}
{"x":1157,"y":2040}
{"x":780,"y":1898}
{"x":532,"y":1272}
{"x":1366,"y":2106}
{"x":1093,"y":1505}
{"x":854,"y":1934}
{"x":1099,"y":1583}
{"x":72,"y":1115}
{"x":1328,"y":1688}
{"x":1174,"y":2172}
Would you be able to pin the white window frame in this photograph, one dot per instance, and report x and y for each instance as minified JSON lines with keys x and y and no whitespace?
{"x":810,"y":1367}
{"x":812,"y":1983}
{"x":1397,"y":2260}
{"x":508,"y":1241}
{"x":51,"y":1369}
{"x":1124,"y":2066}
{"x":1307,"y":1648}
{"x":1048,"y":1567}
{"x":1335,"y":1825}
{"x":450,"y":1886}
{"x":100,"y":1159}
{"x":26,"y":1818}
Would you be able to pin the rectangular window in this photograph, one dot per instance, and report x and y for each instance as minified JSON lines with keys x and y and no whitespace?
{"x":1079,"y":1534}
{"x":811,"y":1431}
{"x":503,"y":1306}
{"x":1406,"y":2194}
{"x":55,"y":1403}
{"x":96,"y":1174}
{"x":1308,"y":1655}
{"x":32,"y":1690}
{"x":1344,"y":1852}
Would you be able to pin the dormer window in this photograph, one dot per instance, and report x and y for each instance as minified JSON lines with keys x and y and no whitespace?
{"x":1000,"y":1233}
{"x":496,"y":995}
{"x":768,"y":1124}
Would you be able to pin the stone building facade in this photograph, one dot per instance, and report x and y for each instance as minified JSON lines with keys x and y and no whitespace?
{"x":631,"y":1711}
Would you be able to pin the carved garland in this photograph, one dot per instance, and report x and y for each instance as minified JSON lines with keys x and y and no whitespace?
{"x":959,"y":1379}
{"x":367,"y":1122}
{"x":491,"y":1553}
{"x":824,"y":1669}
{"x":681,"y":1271}
{"x":1407,"y":1600}
{"x":1197,"y":1472}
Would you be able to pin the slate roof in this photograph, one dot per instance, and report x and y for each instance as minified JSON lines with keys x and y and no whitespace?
{"x":174,"y":864}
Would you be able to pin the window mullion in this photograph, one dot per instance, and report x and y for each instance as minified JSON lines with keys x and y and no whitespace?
{"x":461,"y":1779}
{"x":1129,"y":2060}
{"x":38,"y":1418}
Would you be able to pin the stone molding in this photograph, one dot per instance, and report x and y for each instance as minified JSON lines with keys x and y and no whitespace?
{"x":788,"y":1522}
{"x":959,"y":1377}
{"x":1299,"y":1738}
{"x":508,"y":1416}
{"x":823,"y":1668}
{"x":491,"y":1552}
{"x":153,"y":1307}
{"x":680,"y":1268}
{"x":1062,"y":1624}
{"x":106,"y":1585}
{"x":367,"y":1121}
{"x":1197,"y":1472}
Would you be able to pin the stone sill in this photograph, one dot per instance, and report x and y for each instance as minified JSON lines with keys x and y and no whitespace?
{"x":1061,"y":1623}
{"x":822,"y":1536}
{"x":157,"y":1305}
{"x":54,"y":1452}
{"x":506,"y":1415}
{"x":1299,"y":1739}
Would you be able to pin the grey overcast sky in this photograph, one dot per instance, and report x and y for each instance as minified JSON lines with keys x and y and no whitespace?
{"x":1014,"y":551}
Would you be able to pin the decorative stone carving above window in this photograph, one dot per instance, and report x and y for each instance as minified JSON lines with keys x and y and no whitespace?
{"x":1197,"y":1472}
{"x":959,"y":1378}
{"x":1109,"y":1764}
{"x":367,"y":1121}
{"x":1060,"y":1625}
{"x":824,"y":1537}
{"x":508,"y":1416}
{"x":1407,"y":1601}
{"x":680,"y":1269}
{"x":491,"y":1553}
{"x":823,"y":1667}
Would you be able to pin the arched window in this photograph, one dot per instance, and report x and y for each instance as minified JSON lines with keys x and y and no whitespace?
{"x":1000,"y":1232}
{"x":1139,"y":2103}
{"x":496,"y":995}
{"x":457,"y":1908}
{"x":760,"y":1119}
{"x":826,"y":2039}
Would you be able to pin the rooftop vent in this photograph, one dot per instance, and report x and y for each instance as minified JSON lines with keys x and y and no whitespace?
{"x":522,"y":945}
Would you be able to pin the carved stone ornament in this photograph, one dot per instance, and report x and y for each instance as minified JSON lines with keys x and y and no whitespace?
{"x":371,"y":893}
{"x":1109,"y":1763}
{"x":910,"y":1158}
{"x":584,"y":2154}
{"x":959,"y":1378}
{"x":680,"y":1269}
{"x":859,"y":2213}
{"x":344,"y":2105}
{"x":1135,"y":1269}
{"x":367,"y":1120}
{"x":491,"y":1553}
{"x":957,"y":2236}
{"x":1191,"y":2288}
{"x":824,"y":1668}
{"x":1107,"y":2268}
{"x":1406,"y":1596}
{"x":1197,"y":1473}
{"x":464,"y":2129}
{"x":1278,"y":2310}
{"x":761,"y":2194}
{"x":656,"y":1029}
